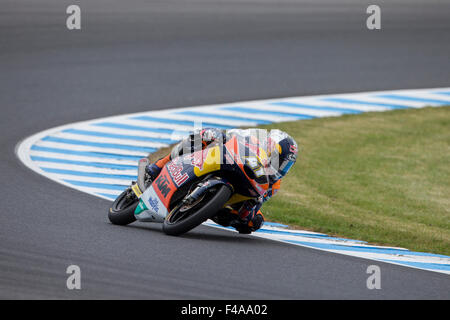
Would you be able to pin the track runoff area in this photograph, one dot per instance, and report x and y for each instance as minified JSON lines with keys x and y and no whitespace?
{"x":100,"y":156}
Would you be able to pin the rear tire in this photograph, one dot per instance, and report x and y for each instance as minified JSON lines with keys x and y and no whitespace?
{"x":208,"y":209}
{"x":122,"y":209}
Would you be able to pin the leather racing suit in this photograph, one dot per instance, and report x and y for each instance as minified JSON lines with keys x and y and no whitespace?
{"x":248,"y":217}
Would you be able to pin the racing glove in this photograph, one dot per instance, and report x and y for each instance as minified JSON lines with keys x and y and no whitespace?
{"x":153,"y":171}
{"x":250,"y":217}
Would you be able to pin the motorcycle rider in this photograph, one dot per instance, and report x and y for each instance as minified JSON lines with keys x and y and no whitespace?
{"x":280,"y":148}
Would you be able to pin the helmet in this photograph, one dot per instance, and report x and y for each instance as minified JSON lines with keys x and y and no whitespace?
{"x":283,"y":154}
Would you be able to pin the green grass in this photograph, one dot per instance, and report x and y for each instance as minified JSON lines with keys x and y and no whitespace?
{"x":382,"y":177}
{"x":379,"y":177}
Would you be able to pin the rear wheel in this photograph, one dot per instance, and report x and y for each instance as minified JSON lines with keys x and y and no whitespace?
{"x":184,"y":218}
{"x":122,"y":209}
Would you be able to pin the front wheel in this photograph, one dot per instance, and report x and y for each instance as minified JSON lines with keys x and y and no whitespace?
{"x":122,"y":209}
{"x":184,"y":218}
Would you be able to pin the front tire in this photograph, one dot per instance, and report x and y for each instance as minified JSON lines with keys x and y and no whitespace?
{"x":122,"y":209}
{"x":206,"y":209}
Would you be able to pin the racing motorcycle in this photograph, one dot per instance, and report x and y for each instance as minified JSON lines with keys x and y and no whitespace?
{"x":195,"y":187}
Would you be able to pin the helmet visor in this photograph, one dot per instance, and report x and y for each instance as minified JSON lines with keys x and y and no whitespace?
{"x":276,"y":172}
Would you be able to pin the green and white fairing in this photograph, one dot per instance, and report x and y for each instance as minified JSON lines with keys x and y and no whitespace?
{"x":150,"y":207}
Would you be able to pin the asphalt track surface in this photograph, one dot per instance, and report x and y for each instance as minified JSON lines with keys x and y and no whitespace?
{"x":142,"y":55}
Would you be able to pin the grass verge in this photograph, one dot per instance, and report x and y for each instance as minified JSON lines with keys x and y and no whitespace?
{"x":382,"y":177}
{"x":379,"y":177}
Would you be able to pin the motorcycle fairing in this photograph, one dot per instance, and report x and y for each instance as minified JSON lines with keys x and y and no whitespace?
{"x":154,"y":203}
{"x":150,"y":207}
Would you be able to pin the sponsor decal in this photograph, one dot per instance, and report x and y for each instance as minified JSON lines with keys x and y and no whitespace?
{"x":175,"y":172}
{"x":154,"y":204}
{"x":197,"y":159}
{"x":140,"y":208}
{"x":163,"y":185}
{"x":293,"y":149}
{"x":293,"y":155}
{"x":136,"y":190}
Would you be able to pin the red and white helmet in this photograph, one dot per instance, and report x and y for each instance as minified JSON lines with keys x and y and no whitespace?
{"x":283,"y":153}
